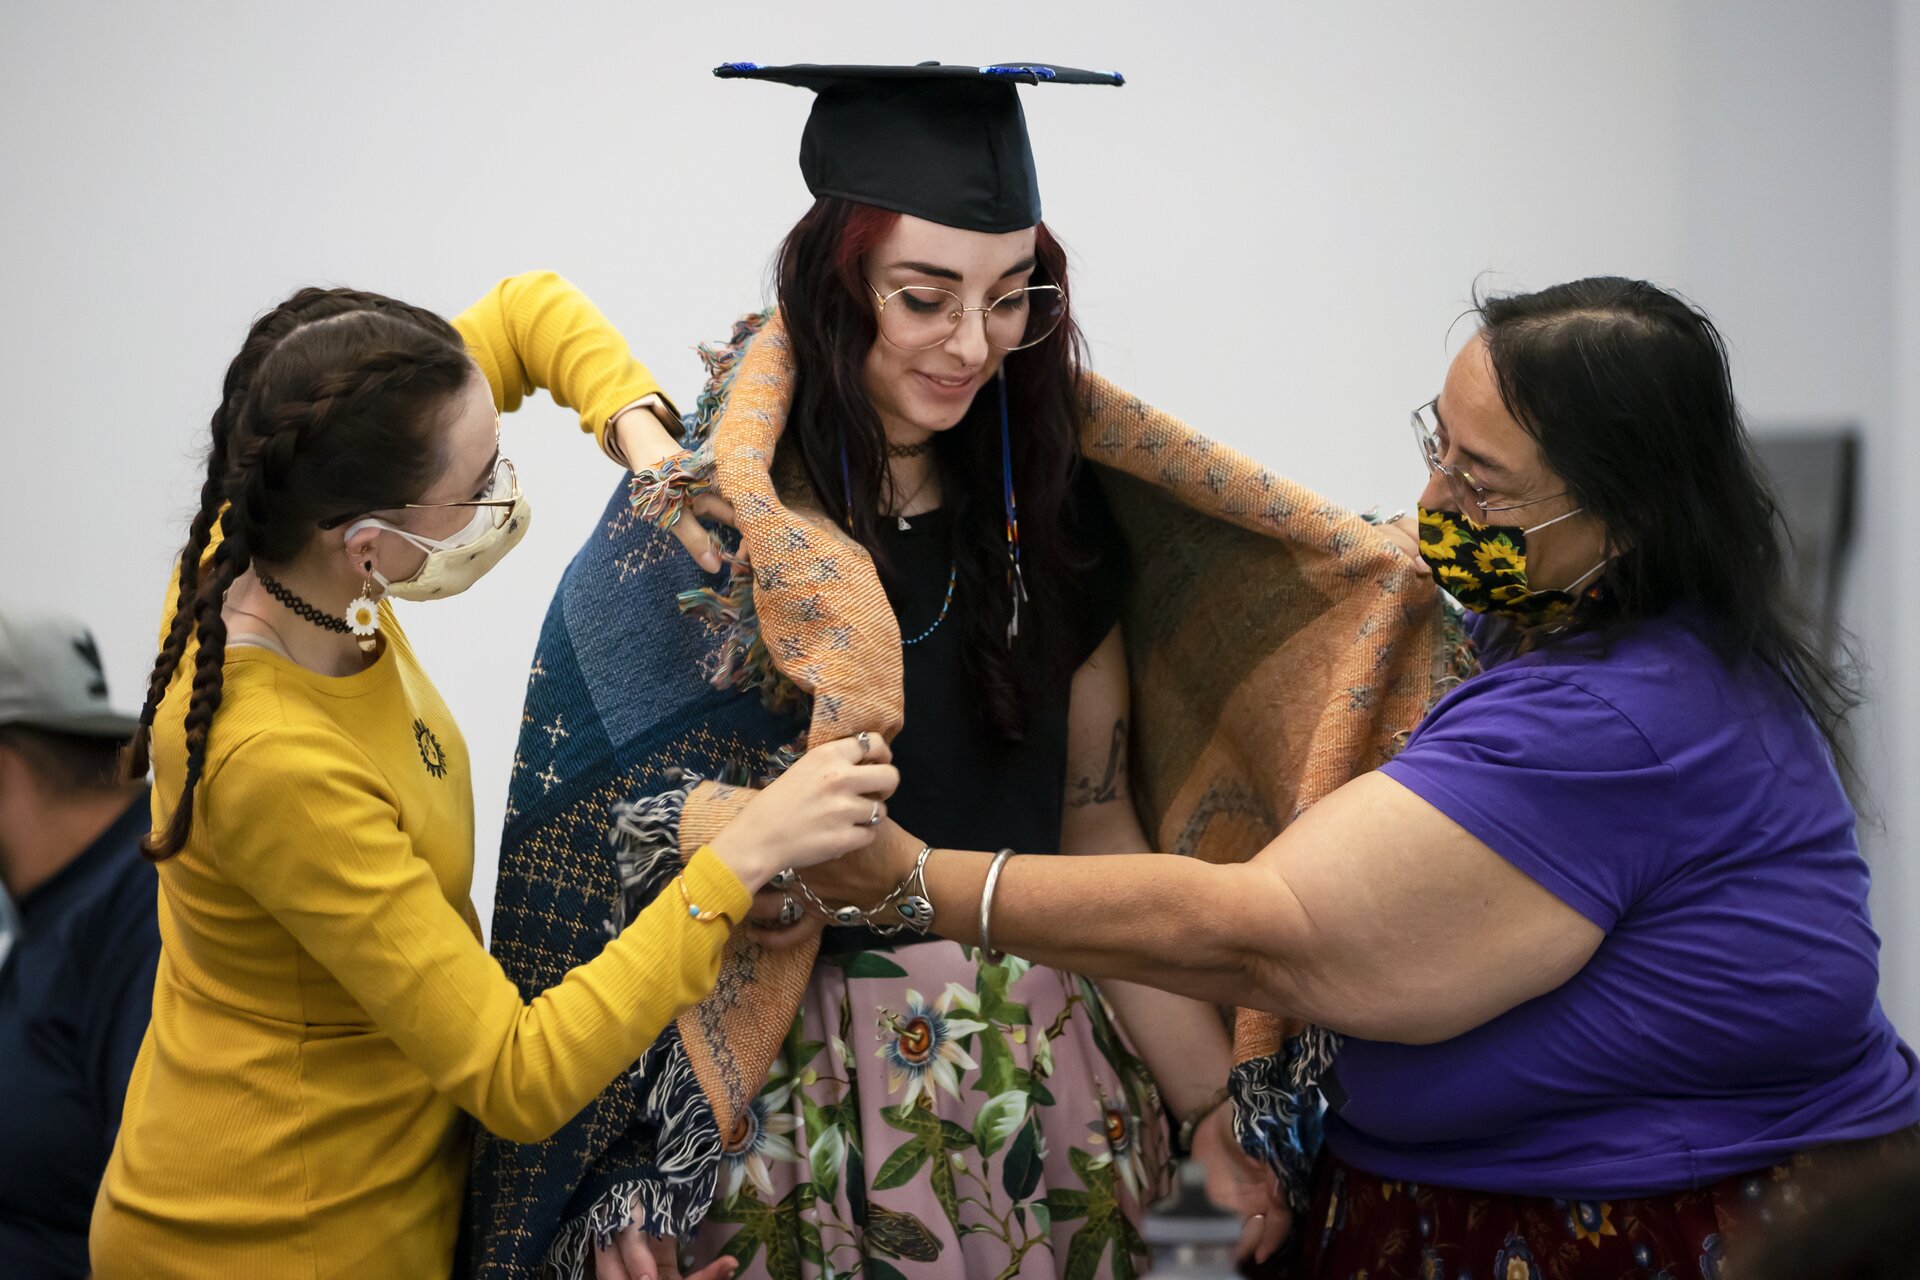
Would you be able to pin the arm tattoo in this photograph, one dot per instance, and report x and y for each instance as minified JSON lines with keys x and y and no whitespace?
{"x":1085,"y":791}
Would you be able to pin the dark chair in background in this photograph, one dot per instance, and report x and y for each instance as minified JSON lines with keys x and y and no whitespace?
{"x":1815,"y":472}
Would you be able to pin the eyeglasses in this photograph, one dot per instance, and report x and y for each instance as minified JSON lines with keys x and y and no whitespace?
{"x":503,"y":492}
{"x":1468,"y":494}
{"x":920,"y":317}
{"x":499,"y":497}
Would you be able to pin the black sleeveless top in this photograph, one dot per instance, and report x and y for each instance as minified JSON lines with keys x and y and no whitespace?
{"x":963,"y":785}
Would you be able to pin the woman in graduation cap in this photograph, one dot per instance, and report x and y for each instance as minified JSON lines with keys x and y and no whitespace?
{"x":933,"y":1110}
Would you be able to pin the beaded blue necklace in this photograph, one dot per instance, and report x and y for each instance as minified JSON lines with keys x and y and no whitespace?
{"x":953,"y":576}
{"x":1016,"y":581}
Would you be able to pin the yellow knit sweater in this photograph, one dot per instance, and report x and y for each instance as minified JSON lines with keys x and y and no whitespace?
{"x":324,"y":1009}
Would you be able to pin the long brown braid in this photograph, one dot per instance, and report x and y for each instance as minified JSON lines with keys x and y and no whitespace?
{"x":333,"y":407}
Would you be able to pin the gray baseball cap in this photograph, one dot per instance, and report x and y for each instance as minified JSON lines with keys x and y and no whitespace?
{"x":51,"y":678}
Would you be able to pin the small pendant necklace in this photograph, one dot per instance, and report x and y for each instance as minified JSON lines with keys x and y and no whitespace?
{"x":904,"y":525}
{"x":900,"y":518}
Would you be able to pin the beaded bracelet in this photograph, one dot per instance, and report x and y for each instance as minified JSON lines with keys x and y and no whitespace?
{"x":693,"y":908}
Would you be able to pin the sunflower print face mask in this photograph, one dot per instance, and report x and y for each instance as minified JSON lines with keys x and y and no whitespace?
{"x":1484,"y":567}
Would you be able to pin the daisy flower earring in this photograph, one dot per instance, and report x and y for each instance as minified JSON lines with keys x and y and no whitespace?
{"x":363,"y":615}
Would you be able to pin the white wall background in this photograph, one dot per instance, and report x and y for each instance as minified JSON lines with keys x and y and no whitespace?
{"x":1274,"y":225}
{"x":1790,"y":127}
{"x":1889,"y":571}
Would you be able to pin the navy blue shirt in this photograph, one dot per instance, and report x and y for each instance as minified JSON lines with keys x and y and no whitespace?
{"x":75,"y":994}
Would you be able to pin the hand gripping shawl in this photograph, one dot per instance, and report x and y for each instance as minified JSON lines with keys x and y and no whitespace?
{"x":1279,"y":646}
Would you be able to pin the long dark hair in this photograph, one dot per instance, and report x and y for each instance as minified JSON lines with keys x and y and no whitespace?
{"x":1627,"y":390}
{"x":333,"y":406}
{"x":828,"y":307}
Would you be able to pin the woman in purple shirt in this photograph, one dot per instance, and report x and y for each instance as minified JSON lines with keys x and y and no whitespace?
{"x":1597,"y":941}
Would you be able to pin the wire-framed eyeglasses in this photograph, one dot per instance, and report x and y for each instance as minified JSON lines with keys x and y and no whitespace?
{"x":498,"y":496}
{"x":1468,"y":494}
{"x":920,"y":317}
{"x":502,"y":493}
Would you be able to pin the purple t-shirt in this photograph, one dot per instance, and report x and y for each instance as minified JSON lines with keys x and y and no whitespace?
{"x":1729,"y":1017}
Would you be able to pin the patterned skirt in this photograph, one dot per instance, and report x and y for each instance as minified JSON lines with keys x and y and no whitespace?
{"x":1366,"y":1228}
{"x":932,"y":1115}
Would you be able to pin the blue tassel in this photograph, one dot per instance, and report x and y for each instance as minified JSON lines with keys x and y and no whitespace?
{"x":846,"y":479}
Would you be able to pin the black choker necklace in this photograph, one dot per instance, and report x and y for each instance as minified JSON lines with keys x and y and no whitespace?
{"x":301,"y":607}
{"x":909,"y":450}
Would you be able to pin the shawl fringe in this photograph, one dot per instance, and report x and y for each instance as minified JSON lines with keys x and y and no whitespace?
{"x":668,"y":1197}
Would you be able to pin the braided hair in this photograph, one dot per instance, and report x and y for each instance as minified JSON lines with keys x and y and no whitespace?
{"x":332,"y":408}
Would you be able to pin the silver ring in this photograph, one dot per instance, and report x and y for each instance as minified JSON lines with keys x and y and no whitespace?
{"x":874,"y":821}
{"x":865,"y":740}
{"x":790,"y":911}
{"x":783,"y":879}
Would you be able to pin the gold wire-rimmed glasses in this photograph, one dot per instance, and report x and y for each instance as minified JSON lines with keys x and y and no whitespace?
{"x":919,"y":317}
{"x":503,"y":491}
{"x":499,"y":497}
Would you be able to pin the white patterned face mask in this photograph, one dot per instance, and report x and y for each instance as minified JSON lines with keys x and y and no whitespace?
{"x":456,"y":562}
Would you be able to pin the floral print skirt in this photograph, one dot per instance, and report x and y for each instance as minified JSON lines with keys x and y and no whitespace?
{"x":1366,"y":1228}
{"x":934,"y":1115}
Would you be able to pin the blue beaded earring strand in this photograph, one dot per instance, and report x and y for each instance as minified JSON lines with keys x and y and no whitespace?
{"x":1016,"y":584}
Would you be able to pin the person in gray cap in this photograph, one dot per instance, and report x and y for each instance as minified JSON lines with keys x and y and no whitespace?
{"x":76,"y":986}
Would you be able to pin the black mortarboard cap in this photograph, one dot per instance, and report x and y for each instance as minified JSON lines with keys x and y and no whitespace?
{"x":944,"y":143}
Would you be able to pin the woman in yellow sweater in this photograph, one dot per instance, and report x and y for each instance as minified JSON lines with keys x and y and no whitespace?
{"x":324,"y":1009}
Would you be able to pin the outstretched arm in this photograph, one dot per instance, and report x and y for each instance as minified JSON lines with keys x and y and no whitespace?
{"x":1374,"y":914}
